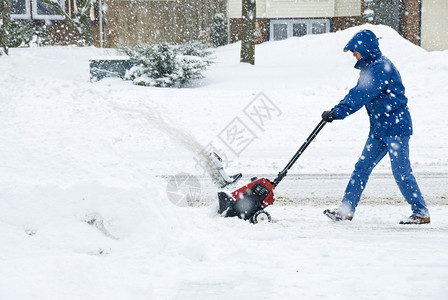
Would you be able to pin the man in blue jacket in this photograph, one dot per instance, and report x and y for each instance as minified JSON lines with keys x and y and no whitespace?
{"x":381,"y":91}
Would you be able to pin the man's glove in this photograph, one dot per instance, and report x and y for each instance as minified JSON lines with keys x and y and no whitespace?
{"x":328,"y":116}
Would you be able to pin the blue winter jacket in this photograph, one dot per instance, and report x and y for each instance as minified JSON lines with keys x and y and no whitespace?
{"x":379,"y":89}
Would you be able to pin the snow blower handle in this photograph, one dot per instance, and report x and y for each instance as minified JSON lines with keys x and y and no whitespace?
{"x":308,"y":141}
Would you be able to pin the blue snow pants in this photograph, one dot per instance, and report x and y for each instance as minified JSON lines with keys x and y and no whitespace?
{"x":374,"y":150}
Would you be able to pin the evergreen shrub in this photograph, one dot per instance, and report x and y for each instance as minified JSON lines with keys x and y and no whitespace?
{"x":166,"y":65}
{"x":20,"y":34}
{"x":218,"y":30}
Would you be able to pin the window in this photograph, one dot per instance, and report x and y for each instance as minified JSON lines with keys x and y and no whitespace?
{"x":44,"y":11}
{"x":283,"y":29}
{"x":20,"y":9}
{"x":298,"y":29}
{"x":318,"y":27}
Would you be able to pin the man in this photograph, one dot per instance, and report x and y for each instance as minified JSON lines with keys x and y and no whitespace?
{"x":381,"y":91}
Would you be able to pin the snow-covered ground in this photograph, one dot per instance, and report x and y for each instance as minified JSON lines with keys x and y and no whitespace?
{"x":84,"y":210}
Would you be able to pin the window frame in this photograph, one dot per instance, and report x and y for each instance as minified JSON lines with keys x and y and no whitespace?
{"x":31,"y":12}
{"x":290,"y":23}
{"x":37,"y":16}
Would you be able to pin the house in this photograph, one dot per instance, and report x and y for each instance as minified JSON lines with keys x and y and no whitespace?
{"x":280,"y":19}
{"x":123,"y":21}
{"x":423,"y":22}
{"x":49,"y":24}
{"x":130,"y":21}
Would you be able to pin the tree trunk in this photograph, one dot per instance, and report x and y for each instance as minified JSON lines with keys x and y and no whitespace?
{"x":5,"y":9}
{"x":248,"y":20}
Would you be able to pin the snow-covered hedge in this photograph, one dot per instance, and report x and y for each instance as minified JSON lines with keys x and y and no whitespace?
{"x":166,"y":65}
{"x":23,"y":33}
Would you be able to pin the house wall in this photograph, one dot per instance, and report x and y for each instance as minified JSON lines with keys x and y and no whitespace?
{"x":141,"y":21}
{"x":348,"y":13}
{"x":59,"y":33}
{"x":286,"y":8}
{"x":301,"y":9}
{"x":261,"y":31}
{"x":341,"y":23}
{"x":347,"y":8}
{"x":434,"y":26}
{"x":272,"y":9}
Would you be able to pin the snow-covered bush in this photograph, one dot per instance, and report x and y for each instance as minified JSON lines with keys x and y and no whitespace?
{"x":166,"y":65}
{"x":20,"y":33}
{"x":24,"y":34}
{"x":196,"y":48}
{"x":218,"y":30}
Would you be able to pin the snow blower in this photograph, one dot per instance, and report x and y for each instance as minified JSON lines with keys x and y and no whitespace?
{"x":249,"y":201}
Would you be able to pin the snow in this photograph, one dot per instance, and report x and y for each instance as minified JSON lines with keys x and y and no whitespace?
{"x":84,"y":211}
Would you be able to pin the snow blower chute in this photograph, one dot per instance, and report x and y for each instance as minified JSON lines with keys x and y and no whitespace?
{"x":249,"y":201}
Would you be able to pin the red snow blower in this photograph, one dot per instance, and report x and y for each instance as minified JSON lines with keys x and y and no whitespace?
{"x":249,"y":201}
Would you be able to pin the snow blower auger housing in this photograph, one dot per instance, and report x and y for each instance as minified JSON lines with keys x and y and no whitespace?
{"x":249,"y":201}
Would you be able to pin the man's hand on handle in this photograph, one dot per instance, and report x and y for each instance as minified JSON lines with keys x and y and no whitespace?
{"x":328,"y":116}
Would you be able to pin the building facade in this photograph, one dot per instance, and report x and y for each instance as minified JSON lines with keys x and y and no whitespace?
{"x":423,"y":22}
{"x":280,"y":19}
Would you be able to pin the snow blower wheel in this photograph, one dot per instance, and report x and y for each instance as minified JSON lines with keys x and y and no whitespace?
{"x":260,"y":216}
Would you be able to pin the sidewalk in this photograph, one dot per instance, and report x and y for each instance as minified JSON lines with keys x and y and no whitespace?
{"x":328,"y":189}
